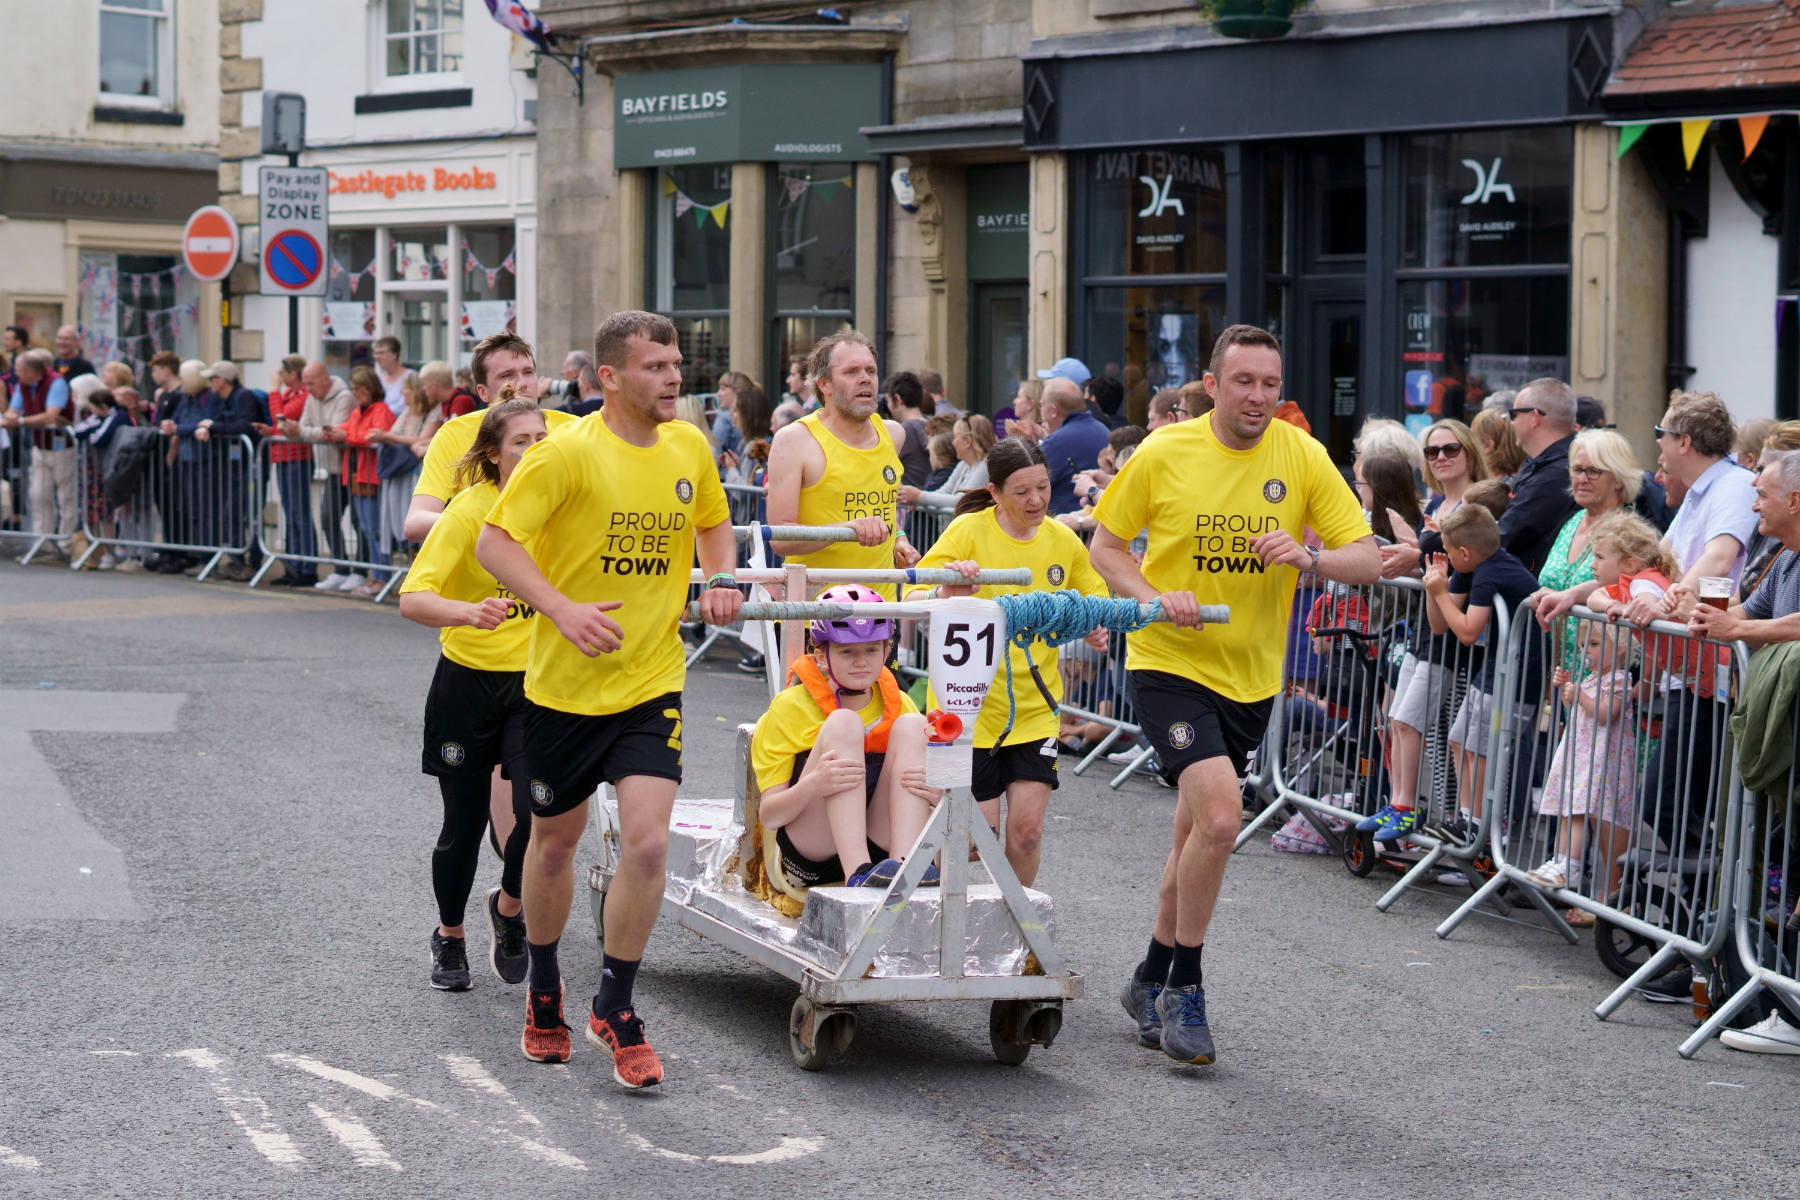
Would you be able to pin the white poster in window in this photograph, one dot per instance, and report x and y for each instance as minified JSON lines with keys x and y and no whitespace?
{"x":483,"y":317}
{"x":1498,"y":371}
{"x":349,"y":320}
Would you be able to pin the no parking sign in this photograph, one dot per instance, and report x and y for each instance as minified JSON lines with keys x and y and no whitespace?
{"x":295,"y":218}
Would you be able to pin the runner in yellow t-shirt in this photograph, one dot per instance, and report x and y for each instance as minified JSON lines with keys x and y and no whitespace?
{"x":838,"y":466}
{"x":475,"y":711}
{"x":613,"y":510}
{"x":499,"y":360}
{"x":1002,"y":527}
{"x":1227,"y":500}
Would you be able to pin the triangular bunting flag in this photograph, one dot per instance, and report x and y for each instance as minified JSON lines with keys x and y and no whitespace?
{"x":850,"y":181}
{"x":669,"y":188}
{"x":1691,"y":134}
{"x":682,"y":203}
{"x":700,"y":215}
{"x":1752,"y":130}
{"x":795,"y":188}
{"x":827,"y":188}
{"x":719,"y":210}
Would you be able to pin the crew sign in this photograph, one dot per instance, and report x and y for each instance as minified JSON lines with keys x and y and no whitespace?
{"x":294,"y":214}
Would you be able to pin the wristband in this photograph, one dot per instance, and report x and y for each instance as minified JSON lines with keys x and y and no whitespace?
{"x":722,"y":580}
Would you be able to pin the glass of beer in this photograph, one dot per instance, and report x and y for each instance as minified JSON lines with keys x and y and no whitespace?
{"x":1715,"y":591}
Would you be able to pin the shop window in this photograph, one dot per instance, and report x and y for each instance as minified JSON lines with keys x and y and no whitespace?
{"x":423,"y":37}
{"x":129,"y":306}
{"x":690,"y":267}
{"x":419,"y":255}
{"x":350,"y":324}
{"x":137,"y":53}
{"x":1492,"y":197}
{"x":1155,"y":212}
{"x":489,"y":285}
{"x":812,"y":247}
{"x":1150,"y":338}
{"x":1466,"y":338}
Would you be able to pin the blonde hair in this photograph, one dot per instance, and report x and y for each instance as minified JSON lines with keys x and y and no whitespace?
{"x":1782,"y":436}
{"x":1030,"y":391}
{"x":688,"y":408}
{"x":417,"y":402}
{"x":1478,"y":463}
{"x":1381,"y":435}
{"x":191,"y":379}
{"x":116,"y":375}
{"x":1629,"y":536}
{"x":1609,"y":451}
{"x":1492,"y":426}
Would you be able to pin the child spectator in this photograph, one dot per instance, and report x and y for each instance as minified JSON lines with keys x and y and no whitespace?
{"x":95,"y":431}
{"x":1462,"y":605}
{"x":1591,"y":777}
{"x":840,"y":759}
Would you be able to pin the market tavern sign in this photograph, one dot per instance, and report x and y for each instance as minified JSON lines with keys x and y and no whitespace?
{"x":790,"y":112}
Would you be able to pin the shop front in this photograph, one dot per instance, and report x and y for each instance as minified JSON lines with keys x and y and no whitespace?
{"x":97,"y":244}
{"x":435,"y":247}
{"x":1411,"y":244}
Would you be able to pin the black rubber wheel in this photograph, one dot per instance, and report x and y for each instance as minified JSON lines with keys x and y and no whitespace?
{"x":832,"y":1033}
{"x":1007,"y":1032}
{"x":1359,"y":853}
{"x":1623,"y":951}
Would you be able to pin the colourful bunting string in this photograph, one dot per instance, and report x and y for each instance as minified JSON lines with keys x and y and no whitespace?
{"x":797,"y":186}
{"x":1751,"y":128}
{"x":1692,"y":132}
{"x":685,"y":203}
{"x":1628,"y":137}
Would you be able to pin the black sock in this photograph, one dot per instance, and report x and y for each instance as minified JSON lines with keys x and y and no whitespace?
{"x":546,"y":976}
{"x":1155,"y":967}
{"x":617,"y":975}
{"x":1184,"y":967}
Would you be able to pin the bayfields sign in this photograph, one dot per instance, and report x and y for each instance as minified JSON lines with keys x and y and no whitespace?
{"x":805,"y":112}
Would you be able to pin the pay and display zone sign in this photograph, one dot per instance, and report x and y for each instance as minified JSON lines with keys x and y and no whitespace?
{"x":295,"y":217}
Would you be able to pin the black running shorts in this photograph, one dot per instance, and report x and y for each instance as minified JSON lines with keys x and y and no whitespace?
{"x":805,"y":872}
{"x":571,"y":754}
{"x":872,"y":764}
{"x":1188,"y":722}
{"x":998,"y":766}
{"x":473,"y":720}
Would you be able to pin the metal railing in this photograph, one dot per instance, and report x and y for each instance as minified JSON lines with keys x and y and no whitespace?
{"x":178,"y":497}
{"x":42,"y":493}
{"x":334,"y":518}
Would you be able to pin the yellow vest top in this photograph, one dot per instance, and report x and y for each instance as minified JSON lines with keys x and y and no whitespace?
{"x":856,"y":483}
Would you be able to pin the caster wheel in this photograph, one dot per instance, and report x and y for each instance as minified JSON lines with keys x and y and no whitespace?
{"x":816,"y":1034}
{"x":1622,"y":950}
{"x":1007,"y":1032}
{"x":1359,"y":853}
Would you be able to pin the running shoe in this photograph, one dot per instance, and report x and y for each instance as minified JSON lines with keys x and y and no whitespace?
{"x":449,"y":964}
{"x":1671,"y":987}
{"x":1185,"y":1037}
{"x":1139,"y":999}
{"x":508,"y":956}
{"x":621,"y":1035}
{"x":882,"y":874}
{"x":1771,"y":1035}
{"x":1390,"y":824}
{"x":546,"y":1038}
{"x":931,"y":878}
{"x":860,"y":876}
{"x":1377,"y":819}
{"x":1559,"y":872}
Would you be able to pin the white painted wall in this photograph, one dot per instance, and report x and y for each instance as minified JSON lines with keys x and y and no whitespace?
{"x":1731,"y":304}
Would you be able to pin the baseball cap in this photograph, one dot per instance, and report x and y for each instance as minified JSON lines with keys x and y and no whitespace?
{"x":223,"y":369}
{"x":1072,"y":369}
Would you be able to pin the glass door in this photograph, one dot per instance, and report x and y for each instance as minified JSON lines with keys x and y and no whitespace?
{"x":421,"y":321}
{"x":997,"y":360}
{"x":1332,"y":381}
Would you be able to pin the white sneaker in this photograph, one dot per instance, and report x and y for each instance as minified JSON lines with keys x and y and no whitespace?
{"x":128,"y":565}
{"x":1453,"y":879}
{"x":1771,"y":1035}
{"x":1554,"y":873}
{"x":352,"y":581}
{"x":331,"y":582}
{"x":108,"y":562}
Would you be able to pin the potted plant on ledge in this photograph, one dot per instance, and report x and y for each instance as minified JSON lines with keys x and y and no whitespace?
{"x":1251,"y":18}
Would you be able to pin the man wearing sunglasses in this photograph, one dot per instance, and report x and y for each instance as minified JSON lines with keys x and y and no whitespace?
{"x":1543,"y":415}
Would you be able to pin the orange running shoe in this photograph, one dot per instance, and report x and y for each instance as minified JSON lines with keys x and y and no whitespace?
{"x":635,"y":1064}
{"x":546,"y":1038}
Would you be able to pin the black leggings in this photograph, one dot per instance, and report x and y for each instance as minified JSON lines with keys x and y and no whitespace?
{"x":458,"y":849}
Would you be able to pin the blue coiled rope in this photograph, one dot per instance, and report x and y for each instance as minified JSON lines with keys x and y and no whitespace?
{"x":1058,"y":618}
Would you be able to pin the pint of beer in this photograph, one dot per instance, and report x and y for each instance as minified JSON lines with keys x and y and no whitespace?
{"x":1715,"y":591}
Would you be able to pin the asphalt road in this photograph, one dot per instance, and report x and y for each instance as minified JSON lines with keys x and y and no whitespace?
{"x":214,"y":912}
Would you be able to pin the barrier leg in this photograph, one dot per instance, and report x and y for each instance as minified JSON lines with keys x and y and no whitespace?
{"x":95,"y":545}
{"x":1720,"y":1018}
{"x":1112,"y":735}
{"x":1489,"y":889}
{"x":1428,"y":863}
{"x":1258,"y":822}
{"x":218,"y":557}
{"x":1659,"y":962}
{"x":268,"y":564}
{"x":1549,"y":910}
{"x":1131,"y":767}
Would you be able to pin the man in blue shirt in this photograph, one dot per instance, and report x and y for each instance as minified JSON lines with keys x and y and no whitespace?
{"x":1073,"y":443}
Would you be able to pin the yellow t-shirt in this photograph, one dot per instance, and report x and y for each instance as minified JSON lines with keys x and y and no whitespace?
{"x":446,"y":564}
{"x":792,"y":724}
{"x":856,"y":483}
{"x":607,"y":520}
{"x":1057,"y":560}
{"x":437,"y":474}
{"x":1203,"y":503}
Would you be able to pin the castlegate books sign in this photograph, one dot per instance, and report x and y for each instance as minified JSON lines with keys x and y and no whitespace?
{"x":792,"y":112}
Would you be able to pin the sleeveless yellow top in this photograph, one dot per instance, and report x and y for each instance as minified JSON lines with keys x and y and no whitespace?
{"x":856,"y":483}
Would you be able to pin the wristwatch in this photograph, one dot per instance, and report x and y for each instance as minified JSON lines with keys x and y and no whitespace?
{"x":1312,"y":568}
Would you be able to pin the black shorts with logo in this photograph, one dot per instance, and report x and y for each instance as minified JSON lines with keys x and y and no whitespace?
{"x":571,"y":754}
{"x":805,"y":872}
{"x":1188,"y":722}
{"x":998,"y":766}
{"x":473,"y":720}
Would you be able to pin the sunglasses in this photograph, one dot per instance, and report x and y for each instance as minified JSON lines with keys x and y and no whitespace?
{"x":1453,"y":450}
{"x":1663,"y":431}
{"x":1516,"y":413}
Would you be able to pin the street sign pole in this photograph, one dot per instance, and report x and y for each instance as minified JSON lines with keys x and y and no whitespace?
{"x":293,"y":160}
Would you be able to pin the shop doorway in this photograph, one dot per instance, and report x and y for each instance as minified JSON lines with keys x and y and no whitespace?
{"x":997,"y":352}
{"x":421,"y":321}
{"x":1331,"y":385}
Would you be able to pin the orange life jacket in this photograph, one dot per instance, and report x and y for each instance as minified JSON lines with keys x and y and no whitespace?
{"x":824,"y":694}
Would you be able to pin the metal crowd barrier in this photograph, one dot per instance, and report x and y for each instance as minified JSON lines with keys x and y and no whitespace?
{"x":41,"y":493}
{"x":746,"y":502}
{"x":322,"y":518}
{"x":179,"y":497}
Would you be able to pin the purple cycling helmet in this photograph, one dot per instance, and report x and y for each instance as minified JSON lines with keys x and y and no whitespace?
{"x":849,"y":630}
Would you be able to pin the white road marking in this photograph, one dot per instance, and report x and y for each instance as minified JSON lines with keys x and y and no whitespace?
{"x":115,"y":1053}
{"x":356,"y":1137}
{"x":247,"y":1110}
{"x":471,"y":1074}
{"x":12,"y":1158}
{"x":788,"y":1149}
{"x":382,"y":1091}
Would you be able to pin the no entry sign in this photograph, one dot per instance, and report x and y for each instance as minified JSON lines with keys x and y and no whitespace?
{"x":209,"y":245}
{"x":295,"y":218}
